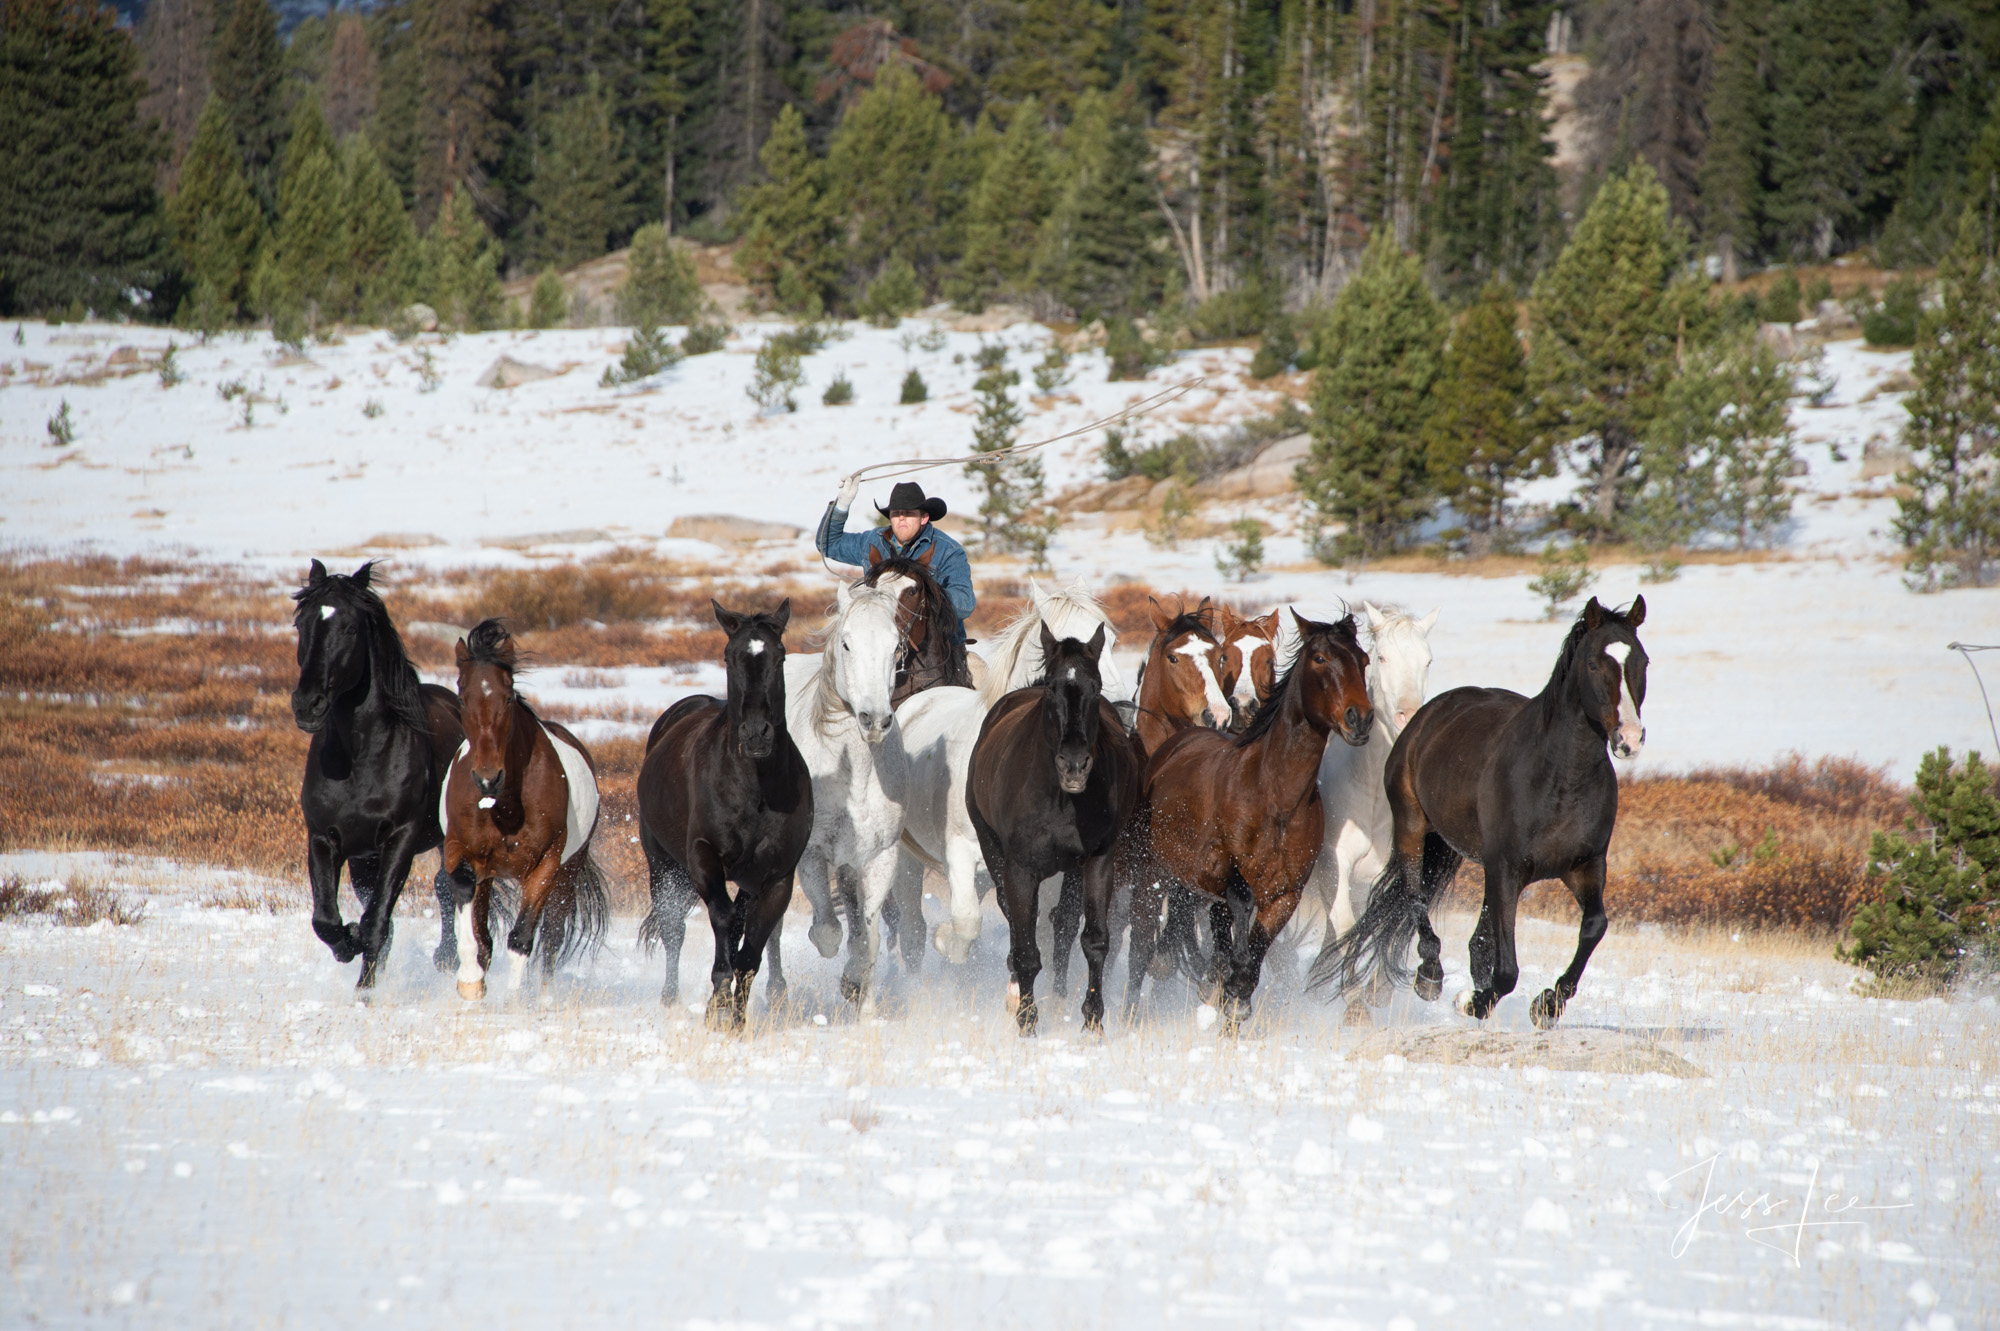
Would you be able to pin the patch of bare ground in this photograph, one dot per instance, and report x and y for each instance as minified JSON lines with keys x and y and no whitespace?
{"x":77,"y":902}
{"x":144,"y":707}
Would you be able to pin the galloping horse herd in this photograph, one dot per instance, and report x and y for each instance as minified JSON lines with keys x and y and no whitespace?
{"x":1253,"y":767}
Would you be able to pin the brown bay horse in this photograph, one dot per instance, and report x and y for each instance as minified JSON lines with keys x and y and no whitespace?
{"x":1522,"y":785}
{"x":518,"y":808}
{"x":1236,"y":819}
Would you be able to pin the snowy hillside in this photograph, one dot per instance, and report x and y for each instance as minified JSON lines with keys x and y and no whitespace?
{"x":375,"y":447}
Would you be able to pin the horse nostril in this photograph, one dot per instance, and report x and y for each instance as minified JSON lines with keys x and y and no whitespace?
{"x":1353,"y":718}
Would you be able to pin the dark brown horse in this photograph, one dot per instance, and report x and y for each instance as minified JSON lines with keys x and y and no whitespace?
{"x":1053,"y":779}
{"x":724,"y":796}
{"x":1236,"y":819}
{"x":520,"y":804}
{"x":1522,"y":785}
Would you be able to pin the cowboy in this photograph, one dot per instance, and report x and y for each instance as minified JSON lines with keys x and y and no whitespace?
{"x":910,"y":532}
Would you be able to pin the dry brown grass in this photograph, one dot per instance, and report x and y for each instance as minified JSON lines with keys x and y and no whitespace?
{"x":77,"y":902}
{"x":144,"y":708}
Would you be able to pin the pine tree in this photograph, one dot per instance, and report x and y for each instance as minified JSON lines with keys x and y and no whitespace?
{"x":1950,"y":519}
{"x":384,"y":256}
{"x":660,"y":285}
{"x":217,"y":225}
{"x":1012,"y":516}
{"x":461,"y":268}
{"x":348,"y":89}
{"x":790,"y":224}
{"x":882,"y":170}
{"x":1012,"y":200}
{"x":455,"y":131}
{"x":1372,"y":398}
{"x":1055,"y":52}
{"x":581,"y":188}
{"x":1479,"y":443}
{"x":174,"y":39}
{"x":79,"y":214}
{"x":1939,"y":879}
{"x":247,"y":73}
{"x":671,"y":48}
{"x":1096,"y":254}
{"x":1731,"y":175}
{"x":309,"y":269}
{"x":547,"y":307}
{"x":1604,"y":322}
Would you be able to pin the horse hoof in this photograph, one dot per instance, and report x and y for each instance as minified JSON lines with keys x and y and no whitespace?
{"x":445,"y":961}
{"x":472,"y":990}
{"x":1429,"y":982}
{"x":1463,"y":1003}
{"x":1026,"y":1018}
{"x":825,"y":937}
{"x":1013,"y":998}
{"x":1357,"y":1014}
{"x":1545,"y":1010}
{"x":851,"y":990}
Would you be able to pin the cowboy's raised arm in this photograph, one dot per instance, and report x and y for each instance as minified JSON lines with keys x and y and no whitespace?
{"x":833,"y":539}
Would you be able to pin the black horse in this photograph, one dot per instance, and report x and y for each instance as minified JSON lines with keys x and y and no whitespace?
{"x":1523,"y":786}
{"x":1053,"y":779}
{"x":724,"y":796}
{"x":381,"y":744}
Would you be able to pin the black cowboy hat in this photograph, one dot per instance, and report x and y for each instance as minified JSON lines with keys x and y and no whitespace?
{"x":909,"y":495}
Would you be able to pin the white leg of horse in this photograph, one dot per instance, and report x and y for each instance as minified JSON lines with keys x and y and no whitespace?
{"x":956,"y":935}
{"x":517,"y":970}
{"x":858,"y":983}
{"x":815,"y":874}
{"x":906,"y":884}
{"x":471,"y":979}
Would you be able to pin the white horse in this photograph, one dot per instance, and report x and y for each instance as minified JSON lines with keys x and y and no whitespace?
{"x":940,"y":727}
{"x":1356,"y":809}
{"x":837,"y":710}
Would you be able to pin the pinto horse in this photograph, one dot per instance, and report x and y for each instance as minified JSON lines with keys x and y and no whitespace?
{"x":519,"y":805}
{"x":1522,"y":785}
{"x":1236,"y":819}
{"x":381,"y":743}
{"x":1052,"y":781}
{"x":725,"y":796}
{"x":1179,"y":681}
{"x":1249,"y":662}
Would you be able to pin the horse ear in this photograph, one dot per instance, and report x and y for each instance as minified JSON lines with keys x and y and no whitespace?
{"x":925,"y":557}
{"x":783,"y":614}
{"x":1097,"y":643}
{"x":1160,"y":616}
{"x":1637,"y":614}
{"x":729,"y":619}
{"x":461,"y":654}
{"x":1270,"y":624}
{"x":843,"y":596}
{"x":1593,"y":614}
{"x":1049,"y":645}
{"x":316,"y":574}
{"x":1035,"y":594}
{"x":1428,"y":622}
{"x":1375,"y":619}
{"x":362,"y":574}
{"x":874,"y":557}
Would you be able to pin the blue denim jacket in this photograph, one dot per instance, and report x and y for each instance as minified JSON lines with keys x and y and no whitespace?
{"x":948,"y":565}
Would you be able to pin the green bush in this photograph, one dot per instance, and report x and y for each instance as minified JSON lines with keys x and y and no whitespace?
{"x":1130,"y":354}
{"x":647,"y":353}
{"x":1939,"y":880}
{"x":838,"y":393}
{"x":1817,"y":290}
{"x":1241,"y":312}
{"x":547,"y":306}
{"x":777,"y":376}
{"x":1565,"y":572}
{"x":1893,"y":322}
{"x":1244,"y":556}
{"x":660,"y":285}
{"x":1781,"y":299}
{"x":914,"y":389}
{"x":1277,"y":351}
{"x":1052,"y":372}
{"x":894,"y":293}
{"x":704,"y":337}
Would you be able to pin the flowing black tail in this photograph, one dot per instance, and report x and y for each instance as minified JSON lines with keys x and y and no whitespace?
{"x":577,"y":925}
{"x":1379,"y":941}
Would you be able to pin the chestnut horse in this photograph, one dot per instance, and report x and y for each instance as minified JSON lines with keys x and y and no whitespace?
{"x":1523,"y":785}
{"x":1180,"y":680}
{"x":1053,"y":779}
{"x":725,"y":796}
{"x":1249,"y":662}
{"x":519,"y":804}
{"x":1237,"y":819}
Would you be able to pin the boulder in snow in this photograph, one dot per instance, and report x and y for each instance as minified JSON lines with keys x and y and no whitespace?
{"x":728,"y":529}
{"x":1565,"y":1049}
{"x":506,"y":372}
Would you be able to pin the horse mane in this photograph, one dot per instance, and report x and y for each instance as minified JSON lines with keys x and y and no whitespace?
{"x":1566,"y":658}
{"x":1016,"y":637}
{"x":401,"y":689}
{"x":1267,"y":715}
{"x":490,"y":643}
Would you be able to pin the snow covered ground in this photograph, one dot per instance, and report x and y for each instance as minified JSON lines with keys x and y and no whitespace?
{"x":202,"y":1127}
{"x":1822,"y":650}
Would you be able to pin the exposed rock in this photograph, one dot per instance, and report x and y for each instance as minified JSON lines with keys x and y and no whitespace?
{"x":127,"y":355}
{"x":1565,"y":1049}
{"x":728,"y":529}
{"x":1128,"y":493}
{"x":1267,"y":475}
{"x":506,"y":372}
{"x":1086,"y":338}
{"x":1779,"y":338}
{"x":989,"y":320}
{"x":1836,"y":320}
{"x":1880,"y":457}
{"x":421,"y":317}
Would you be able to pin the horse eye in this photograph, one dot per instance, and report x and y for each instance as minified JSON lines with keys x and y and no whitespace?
{"x":1175,"y":660}
{"x":1318,"y":659}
